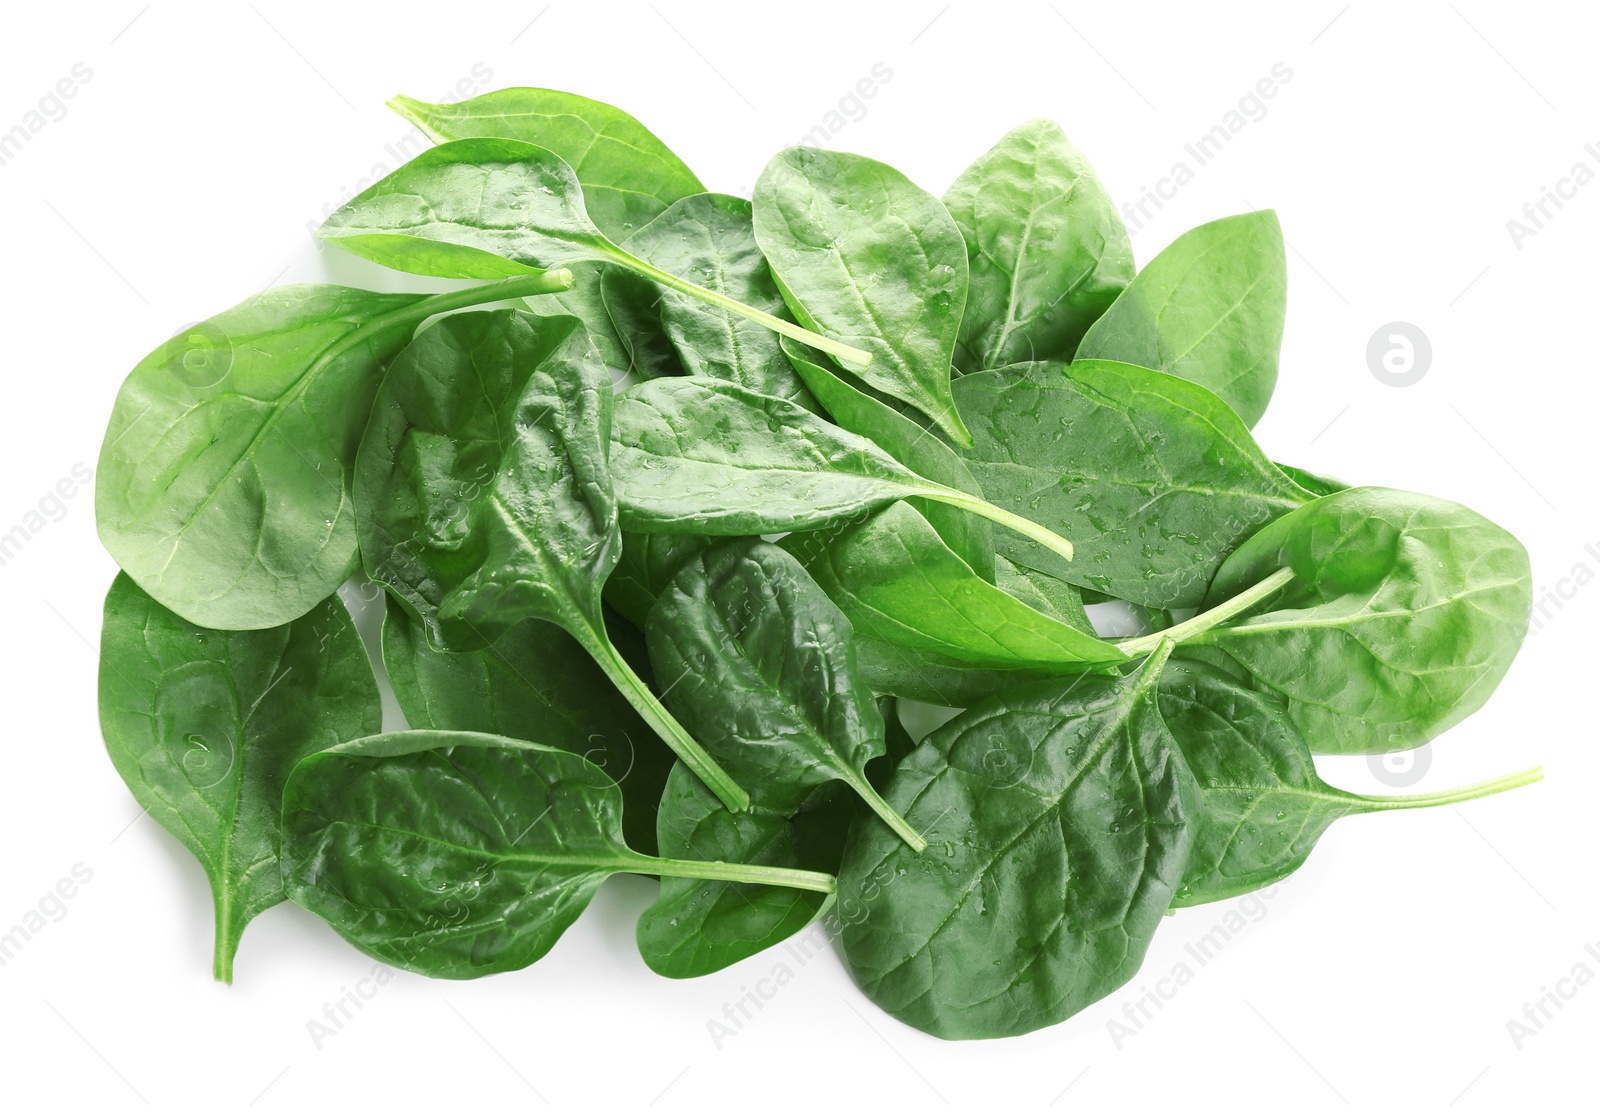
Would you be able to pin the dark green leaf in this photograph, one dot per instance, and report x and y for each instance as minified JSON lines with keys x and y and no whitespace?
{"x":1263,"y":806}
{"x":485,"y":208}
{"x":1153,"y":477}
{"x":534,"y":684}
{"x":696,"y":927}
{"x":1209,"y":308}
{"x":461,"y":854}
{"x":896,"y":580}
{"x":969,"y":536}
{"x":485,"y":494}
{"x":1046,"y":249}
{"x":708,"y":239}
{"x":759,"y":665}
{"x":1059,"y":820}
{"x":223,"y":482}
{"x":204,"y":727}
{"x":701,"y":456}
{"x":649,"y":561}
{"x":1402,"y":617}
{"x":862,"y":253}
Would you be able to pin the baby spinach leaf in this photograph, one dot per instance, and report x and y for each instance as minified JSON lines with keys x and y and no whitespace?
{"x":896,"y":580}
{"x":485,"y":497}
{"x":1403,"y":615}
{"x":926,"y":676}
{"x":1045,"y":593}
{"x":862,"y":253}
{"x":223,"y":484}
{"x":968,"y":535}
{"x":460,"y":854}
{"x":484,"y":208}
{"x":696,"y":927}
{"x":649,"y":561}
{"x":1208,"y":308}
{"x":204,"y":727}
{"x":586,"y":301}
{"x":1046,"y":249}
{"x":758,"y":663}
{"x":535,"y":684}
{"x":1263,"y":806}
{"x":1059,"y":819}
{"x":697,"y":455}
{"x":629,"y":176}
{"x":1154,"y":477}
{"x":709,"y":238}
{"x":1319,"y":484}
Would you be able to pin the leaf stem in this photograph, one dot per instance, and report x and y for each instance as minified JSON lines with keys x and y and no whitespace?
{"x":523,"y":285}
{"x":852,"y":357}
{"x":890,"y":816}
{"x":643,"y":699}
{"x":1032,"y":530}
{"x":1459,"y":794}
{"x":736,"y":873}
{"x":1200,"y":622}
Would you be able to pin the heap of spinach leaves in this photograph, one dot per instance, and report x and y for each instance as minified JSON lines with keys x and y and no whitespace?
{"x":962,"y":418}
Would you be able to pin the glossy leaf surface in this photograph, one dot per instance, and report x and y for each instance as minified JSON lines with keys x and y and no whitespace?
{"x":863,"y":254}
{"x":1209,"y":308}
{"x":1046,"y":249}
{"x":1059,"y":824}
{"x":204,"y":727}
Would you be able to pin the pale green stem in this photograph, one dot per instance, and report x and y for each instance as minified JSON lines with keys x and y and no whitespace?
{"x":852,"y":357}
{"x":643,"y":699}
{"x":735,"y":873}
{"x":1200,"y":622}
{"x":1033,"y":531}
{"x":890,"y":816}
{"x":1459,"y":794}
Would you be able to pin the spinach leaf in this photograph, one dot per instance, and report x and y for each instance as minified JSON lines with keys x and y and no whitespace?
{"x":535,"y":683}
{"x":484,"y":208}
{"x":1045,"y":593}
{"x":1208,"y":308}
{"x":649,"y":561}
{"x":969,"y":536}
{"x":1319,"y":484}
{"x":1263,"y":806}
{"x":1046,"y":249}
{"x":1059,"y":816}
{"x":697,"y":455}
{"x":696,"y":927}
{"x":896,"y":580}
{"x":711,"y":238}
{"x":1154,"y":477}
{"x":758,"y":663}
{"x":862,"y":253}
{"x":629,"y":176}
{"x":922,"y":675}
{"x":461,"y":854}
{"x":485,"y":497}
{"x":616,"y":344}
{"x":204,"y":727}
{"x":223,"y":483}
{"x":1403,"y":615}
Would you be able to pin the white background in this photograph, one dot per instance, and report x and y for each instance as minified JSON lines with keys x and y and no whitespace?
{"x":184,"y":177}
